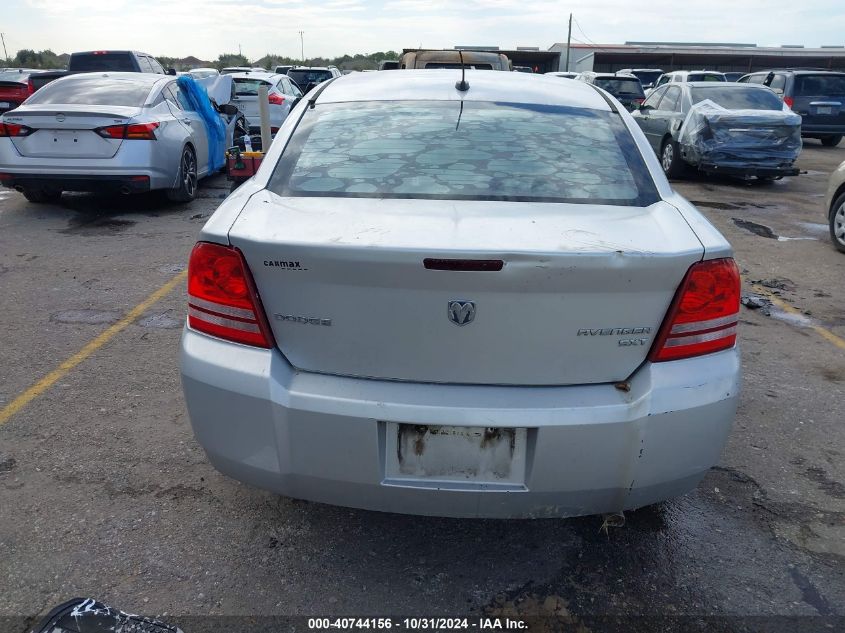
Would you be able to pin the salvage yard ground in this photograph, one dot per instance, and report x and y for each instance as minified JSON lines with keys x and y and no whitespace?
{"x":115,"y":499}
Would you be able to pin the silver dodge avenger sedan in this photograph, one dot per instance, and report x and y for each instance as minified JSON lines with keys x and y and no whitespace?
{"x":480,"y":303}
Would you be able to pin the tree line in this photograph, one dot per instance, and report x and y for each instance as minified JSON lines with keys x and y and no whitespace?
{"x":47,"y":59}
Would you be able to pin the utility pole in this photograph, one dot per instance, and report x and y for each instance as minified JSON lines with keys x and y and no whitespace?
{"x":302,"y":46}
{"x":5,"y":54}
{"x":239,"y":51}
{"x":568,"y":40}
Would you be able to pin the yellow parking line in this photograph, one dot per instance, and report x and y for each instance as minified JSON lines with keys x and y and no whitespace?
{"x":826,"y":334}
{"x":57,"y":374}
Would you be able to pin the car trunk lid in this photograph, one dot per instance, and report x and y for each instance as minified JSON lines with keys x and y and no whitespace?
{"x":579,"y":297}
{"x":67,"y":131}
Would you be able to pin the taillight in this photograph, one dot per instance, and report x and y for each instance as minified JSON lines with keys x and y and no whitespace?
{"x":276,"y":99}
{"x":30,"y":87}
{"x":13,"y":129}
{"x":222,"y":300}
{"x":639,"y":100}
{"x":135,"y":131}
{"x":704,"y":313}
{"x":789,"y":101}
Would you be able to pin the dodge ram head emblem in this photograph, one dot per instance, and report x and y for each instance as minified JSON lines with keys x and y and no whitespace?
{"x":461,"y":312}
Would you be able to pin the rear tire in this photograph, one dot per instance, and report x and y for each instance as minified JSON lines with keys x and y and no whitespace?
{"x":837,"y":223}
{"x":187,"y":189}
{"x":831,"y":141}
{"x":670,"y":159}
{"x":42,"y":196}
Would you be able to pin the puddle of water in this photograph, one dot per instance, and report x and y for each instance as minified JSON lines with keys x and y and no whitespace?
{"x":97,"y":225}
{"x":757,"y":229}
{"x":88,"y":317}
{"x":764,"y":231}
{"x":710,"y":204}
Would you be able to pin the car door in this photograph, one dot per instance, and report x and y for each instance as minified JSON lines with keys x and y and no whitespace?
{"x":665,"y":115}
{"x":192,"y":122}
{"x":645,"y":117}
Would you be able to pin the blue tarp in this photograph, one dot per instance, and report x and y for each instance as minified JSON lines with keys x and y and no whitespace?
{"x":214,"y":126}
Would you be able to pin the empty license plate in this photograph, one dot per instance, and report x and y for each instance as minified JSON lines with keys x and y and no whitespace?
{"x":824,"y":110}
{"x":5,"y":105}
{"x":478,"y":455}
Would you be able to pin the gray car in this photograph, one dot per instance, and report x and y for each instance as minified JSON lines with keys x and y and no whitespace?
{"x":486,"y":303}
{"x":127,"y":132}
{"x":759,"y":140}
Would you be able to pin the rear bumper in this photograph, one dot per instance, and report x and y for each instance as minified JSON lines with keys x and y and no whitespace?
{"x":815,"y":130}
{"x":72,"y":182}
{"x":155,"y":160}
{"x":590,"y":449}
{"x":731,"y":170}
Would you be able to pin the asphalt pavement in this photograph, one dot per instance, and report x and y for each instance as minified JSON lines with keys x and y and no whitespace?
{"x":104,"y":492}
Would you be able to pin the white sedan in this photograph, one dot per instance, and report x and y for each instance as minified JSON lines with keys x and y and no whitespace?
{"x":282,"y":94}
{"x":485,"y":302}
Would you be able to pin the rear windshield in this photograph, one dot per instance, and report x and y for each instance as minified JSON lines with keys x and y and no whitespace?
{"x":305,"y":77}
{"x":86,"y":62}
{"x":705,"y":77}
{"x":621,"y":87}
{"x":91,"y":90}
{"x":464,"y":151}
{"x":648,"y":76}
{"x":819,"y":85}
{"x":738,"y":97}
{"x":458,"y":65}
{"x":248,"y":87}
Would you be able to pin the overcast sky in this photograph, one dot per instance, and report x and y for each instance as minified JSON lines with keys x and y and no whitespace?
{"x":206,"y":28}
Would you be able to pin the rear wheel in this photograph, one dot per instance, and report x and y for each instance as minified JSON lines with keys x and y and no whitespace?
{"x":831,"y":141}
{"x":837,"y":223}
{"x":187,"y":188}
{"x":670,"y":159}
{"x":42,"y":195}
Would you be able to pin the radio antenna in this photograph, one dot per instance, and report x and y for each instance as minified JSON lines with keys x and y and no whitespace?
{"x":462,"y":85}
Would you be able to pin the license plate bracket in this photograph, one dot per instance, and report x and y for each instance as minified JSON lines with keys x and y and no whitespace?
{"x":445,"y":456}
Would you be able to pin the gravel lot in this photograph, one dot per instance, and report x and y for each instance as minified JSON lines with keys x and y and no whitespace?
{"x":104,"y":492}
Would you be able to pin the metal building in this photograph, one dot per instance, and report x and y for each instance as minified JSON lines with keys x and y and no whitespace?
{"x":725,"y":57}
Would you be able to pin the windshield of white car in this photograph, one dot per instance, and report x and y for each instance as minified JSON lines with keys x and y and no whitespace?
{"x":247,"y":87}
{"x":464,"y":151}
{"x":738,"y":97}
{"x":92,"y":90}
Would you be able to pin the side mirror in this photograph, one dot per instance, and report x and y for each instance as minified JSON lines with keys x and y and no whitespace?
{"x":171,"y":71}
{"x":228,"y":109}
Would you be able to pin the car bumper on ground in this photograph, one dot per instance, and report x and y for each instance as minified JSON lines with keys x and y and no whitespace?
{"x":582,"y":450}
{"x":747,"y":171}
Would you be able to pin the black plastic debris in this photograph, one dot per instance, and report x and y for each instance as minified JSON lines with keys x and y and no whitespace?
{"x":86,"y":615}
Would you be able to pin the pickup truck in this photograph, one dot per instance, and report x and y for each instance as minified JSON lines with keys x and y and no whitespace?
{"x":97,"y":61}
